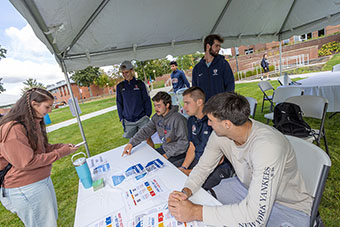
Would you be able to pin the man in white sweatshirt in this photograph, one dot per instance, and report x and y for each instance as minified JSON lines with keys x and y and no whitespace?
{"x":268,"y":189}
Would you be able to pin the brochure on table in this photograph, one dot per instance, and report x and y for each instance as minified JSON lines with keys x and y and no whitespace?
{"x":136,"y":190}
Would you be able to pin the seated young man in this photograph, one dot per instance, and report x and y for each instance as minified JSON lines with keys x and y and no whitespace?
{"x":198,"y":135}
{"x":268,"y":189}
{"x":171,"y":127}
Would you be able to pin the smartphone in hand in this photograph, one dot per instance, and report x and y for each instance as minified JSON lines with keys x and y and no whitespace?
{"x":79,"y":144}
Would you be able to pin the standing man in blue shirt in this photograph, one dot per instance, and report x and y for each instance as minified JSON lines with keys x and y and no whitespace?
{"x":198,"y":134}
{"x":133,"y":102}
{"x":213,"y":73}
{"x":178,"y":78}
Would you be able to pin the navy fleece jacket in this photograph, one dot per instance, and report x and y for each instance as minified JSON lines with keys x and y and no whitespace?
{"x":216,"y":78}
{"x":133,"y":101}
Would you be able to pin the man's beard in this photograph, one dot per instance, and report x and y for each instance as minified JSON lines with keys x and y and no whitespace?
{"x":212,"y":53}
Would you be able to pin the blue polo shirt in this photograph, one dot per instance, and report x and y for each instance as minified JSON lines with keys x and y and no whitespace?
{"x":198,"y":133}
{"x":133,"y":101}
{"x":179,"y":80}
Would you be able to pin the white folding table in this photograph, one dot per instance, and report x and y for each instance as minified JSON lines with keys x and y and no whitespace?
{"x":325,"y":84}
{"x":92,"y":206}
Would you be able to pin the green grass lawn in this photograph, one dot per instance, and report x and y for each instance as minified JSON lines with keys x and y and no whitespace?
{"x":64,"y":113}
{"x":104,"y":132}
{"x":333,"y":61}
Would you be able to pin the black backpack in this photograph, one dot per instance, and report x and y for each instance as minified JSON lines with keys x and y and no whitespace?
{"x":288,"y":120}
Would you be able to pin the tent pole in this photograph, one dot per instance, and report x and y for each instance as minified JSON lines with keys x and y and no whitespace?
{"x":280,"y":56}
{"x":74,"y":106}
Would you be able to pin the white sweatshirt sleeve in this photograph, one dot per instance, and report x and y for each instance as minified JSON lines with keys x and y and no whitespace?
{"x":267,"y":163}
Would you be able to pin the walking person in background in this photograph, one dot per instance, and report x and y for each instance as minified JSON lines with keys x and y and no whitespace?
{"x":265,"y":66}
{"x":27,"y":189}
{"x":213,"y":73}
{"x":133,"y":102}
{"x":178,"y":78}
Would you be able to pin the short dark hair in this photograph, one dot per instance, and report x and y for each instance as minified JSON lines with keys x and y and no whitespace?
{"x":165,"y":97}
{"x":173,"y":63}
{"x":195,"y":93}
{"x":228,"y":106}
{"x":210,"y":39}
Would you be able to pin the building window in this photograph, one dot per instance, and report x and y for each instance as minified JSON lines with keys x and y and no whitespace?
{"x":306,"y":36}
{"x":249,"y":51}
{"x":309,"y":35}
{"x":321,"y":32}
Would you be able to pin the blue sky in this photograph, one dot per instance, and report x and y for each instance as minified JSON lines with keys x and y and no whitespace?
{"x":26,"y":56}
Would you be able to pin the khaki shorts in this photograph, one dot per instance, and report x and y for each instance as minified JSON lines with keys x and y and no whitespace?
{"x":131,"y":128}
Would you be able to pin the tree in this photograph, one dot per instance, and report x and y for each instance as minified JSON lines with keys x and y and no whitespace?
{"x":188,"y":61}
{"x":2,"y":55}
{"x":152,"y":68}
{"x":104,"y":80}
{"x":2,"y":52}
{"x":86,"y":77}
{"x":2,"y":89}
{"x":31,"y":83}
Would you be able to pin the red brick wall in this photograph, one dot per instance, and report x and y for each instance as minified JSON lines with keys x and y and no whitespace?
{"x":332,"y":29}
{"x":63,"y":93}
{"x":245,"y":62}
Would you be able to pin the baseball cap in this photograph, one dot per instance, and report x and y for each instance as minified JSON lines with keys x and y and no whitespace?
{"x":126,"y":65}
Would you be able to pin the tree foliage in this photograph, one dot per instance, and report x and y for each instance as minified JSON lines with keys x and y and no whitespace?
{"x":2,"y":89}
{"x":31,"y":83}
{"x":158,"y":67}
{"x":188,"y":61}
{"x":104,"y":80}
{"x":152,"y":68}
{"x":3,"y":51}
{"x":87,"y":76}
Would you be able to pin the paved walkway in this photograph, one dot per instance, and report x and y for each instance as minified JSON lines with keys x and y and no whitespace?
{"x":74,"y":120}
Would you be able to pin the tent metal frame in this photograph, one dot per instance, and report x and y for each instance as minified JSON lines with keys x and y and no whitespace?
{"x":63,"y":55}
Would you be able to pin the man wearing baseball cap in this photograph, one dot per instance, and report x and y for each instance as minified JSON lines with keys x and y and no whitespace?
{"x":133,"y":102}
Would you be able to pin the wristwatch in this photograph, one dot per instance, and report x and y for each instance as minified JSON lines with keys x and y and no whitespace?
{"x":183,"y":167}
{"x":185,"y":192}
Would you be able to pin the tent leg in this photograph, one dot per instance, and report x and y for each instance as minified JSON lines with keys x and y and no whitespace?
{"x":74,"y":107}
{"x":280,"y":57}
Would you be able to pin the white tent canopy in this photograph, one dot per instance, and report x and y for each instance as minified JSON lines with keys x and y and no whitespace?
{"x":102,"y":32}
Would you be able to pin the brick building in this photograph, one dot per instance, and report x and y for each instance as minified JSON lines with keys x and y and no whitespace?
{"x":61,"y":92}
{"x":249,"y":49}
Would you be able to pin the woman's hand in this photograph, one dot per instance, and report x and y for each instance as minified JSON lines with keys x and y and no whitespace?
{"x":73,"y":148}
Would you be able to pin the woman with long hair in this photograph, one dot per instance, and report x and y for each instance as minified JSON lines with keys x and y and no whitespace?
{"x":27,"y":189}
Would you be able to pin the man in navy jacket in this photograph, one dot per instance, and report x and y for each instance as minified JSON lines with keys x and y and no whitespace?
{"x":213,"y":73}
{"x":198,"y":134}
{"x":133,"y":102}
{"x":178,"y":78}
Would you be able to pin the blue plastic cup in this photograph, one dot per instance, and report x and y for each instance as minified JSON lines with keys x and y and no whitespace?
{"x":82,"y":169}
{"x":47,"y":119}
